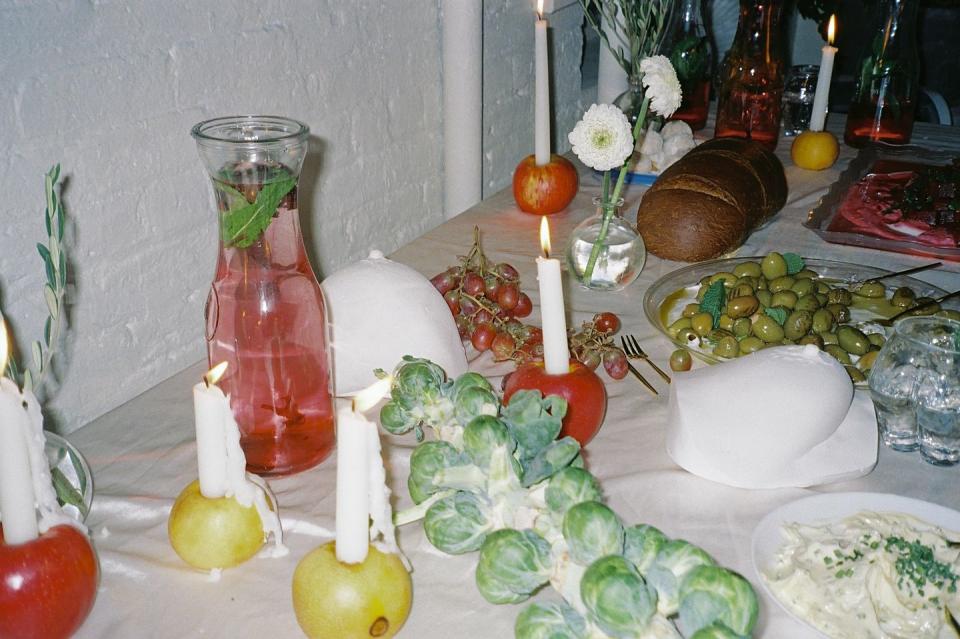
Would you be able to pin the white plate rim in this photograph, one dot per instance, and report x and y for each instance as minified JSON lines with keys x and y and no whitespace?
{"x":824,"y":507}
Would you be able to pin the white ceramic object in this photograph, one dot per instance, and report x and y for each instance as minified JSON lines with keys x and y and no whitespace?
{"x":778,"y":418}
{"x":379,"y":311}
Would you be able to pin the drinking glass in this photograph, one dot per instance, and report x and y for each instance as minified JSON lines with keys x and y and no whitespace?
{"x":798,"y":92}
{"x":915,"y":387}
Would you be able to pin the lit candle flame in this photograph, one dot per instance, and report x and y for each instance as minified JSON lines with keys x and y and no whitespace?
{"x":540,"y":9}
{"x":545,"y":236}
{"x":214,"y":374}
{"x":369,"y":396}
{"x":4,"y":349}
{"x":831,"y":29}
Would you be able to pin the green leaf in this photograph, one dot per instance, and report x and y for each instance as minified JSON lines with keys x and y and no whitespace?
{"x":63,"y":270}
{"x":54,"y":172}
{"x":47,"y":263}
{"x":27,"y":380}
{"x":779,"y":314}
{"x":67,"y":492}
{"x":46,"y":330}
{"x":242,"y":225}
{"x":53,"y":304}
{"x":37,"y":355}
{"x":794,"y":262}
{"x":713,"y":301}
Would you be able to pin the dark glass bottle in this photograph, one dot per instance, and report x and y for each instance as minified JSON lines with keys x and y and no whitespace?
{"x":751,"y":76}
{"x":886,"y":91}
{"x":692,"y":57}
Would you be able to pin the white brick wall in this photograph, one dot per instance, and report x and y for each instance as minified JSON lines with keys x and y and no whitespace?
{"x":110,"y":88}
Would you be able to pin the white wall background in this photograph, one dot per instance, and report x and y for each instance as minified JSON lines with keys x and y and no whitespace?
{"x":110,"y":88}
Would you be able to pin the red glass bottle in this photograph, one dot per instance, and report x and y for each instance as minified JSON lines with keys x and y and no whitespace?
{"x":751,"y":76}
{"x":265,"y":313}
{"x":885,"y":98}
{"x":692,"y":57}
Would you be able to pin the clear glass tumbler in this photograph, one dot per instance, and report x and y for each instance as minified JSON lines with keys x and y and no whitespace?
{"x":915,"y":387}
{"x":798,"y":92}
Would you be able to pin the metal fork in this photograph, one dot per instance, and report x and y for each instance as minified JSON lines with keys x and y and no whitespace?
{"x":909,"y":311}
{"x":632,"y":348}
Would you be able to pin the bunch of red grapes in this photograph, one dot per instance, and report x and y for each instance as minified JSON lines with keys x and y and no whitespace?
{"x":487,"y":305}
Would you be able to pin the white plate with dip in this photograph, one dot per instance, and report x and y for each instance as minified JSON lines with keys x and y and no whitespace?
{"x":825,"y":508}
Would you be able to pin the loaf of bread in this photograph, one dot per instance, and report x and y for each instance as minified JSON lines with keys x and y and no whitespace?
{"x":709,"y":201}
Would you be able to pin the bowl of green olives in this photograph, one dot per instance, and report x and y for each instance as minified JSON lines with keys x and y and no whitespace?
{"x":722,"y":309}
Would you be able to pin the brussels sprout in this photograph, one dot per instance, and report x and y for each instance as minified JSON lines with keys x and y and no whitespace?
{"x":457,"y":523}
{"x":534,"y":420}
{"x":482,"y":435}
{"x":591,"y":531}
{"x":396,"y":419}
{"x":550,"y":621}
{"x":570,"y":487}
{"x":641,"y":545}
{"x":426,"y":461}
{"x":717,"y":631}
{"x":616,"y":597}
{"x":675,"y":559}
{"x":473,"y":402}
{"x":418,"y":378}
{"x":468,"y":380}
{"x":512,"y":565}
{"x":556,"y":456}
{"x":710,"y":594}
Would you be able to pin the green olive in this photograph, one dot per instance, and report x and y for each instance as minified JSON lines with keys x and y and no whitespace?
{"x":680,"y":360}
{"x":677,"y":326}
{"x":781,"y":284}
{"x":727,"y":347}
{"x":804,"y":287}
{"x":786,"y":341}
{"x":949,"y":313}
{"x":822,"y":321}
{"x":923,"y":306}
{"x":786,"y":299}
{"x":828,"y":338}
{"x":822,"y":298}
{"x":838,"y":353}
{"x":798,"y":324}
{"x":741,"y":290}
{"x":816,"y":340}
{"x":742,"y":306}
{"x":750,"y":281}
{"x":865,"y":363}
{"x":823,"y":288}
{"x":872,"y":290}
{"x":807,"y":303}
{"x":856,"y":376}
{"x":840,"y":296}
{"x":767,"y":329}
{"x":773,"y":266}
{"x":903,"y":297}
{"x":750,"y":344}
{"x":762,"y":283}
{"x":742,"y":326}
{"x":687,"y":335}
{"x":747,"y":269}
{"x":840,"y":312}
{"x":702,"y":323}
{"x":690,"y":310}
{"x":765,"y":297}
{"x":877,"y":339}
{"x":806,"y":274}
{"x":726,"y":322}
{"x":726,"y":277}
{"x":705,"y":280}
{"x":852,"y":340}
{"x":718,"y":334}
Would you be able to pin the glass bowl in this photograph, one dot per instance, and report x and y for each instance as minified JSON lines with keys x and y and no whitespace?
{"x":72,"y":478}
{"x":664,"y":301}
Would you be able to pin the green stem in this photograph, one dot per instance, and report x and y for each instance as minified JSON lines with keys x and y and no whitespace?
{"x":416,"y":513}
{"x":608,"y":205}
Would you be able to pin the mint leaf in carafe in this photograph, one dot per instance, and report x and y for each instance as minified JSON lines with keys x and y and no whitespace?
{"x":248,"y":197}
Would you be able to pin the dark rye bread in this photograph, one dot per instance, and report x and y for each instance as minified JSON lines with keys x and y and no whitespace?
{"x":706,"y":204}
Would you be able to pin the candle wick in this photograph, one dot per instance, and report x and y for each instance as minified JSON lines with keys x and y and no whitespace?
{"x":206,"y":381}
{"x":546,"y":254}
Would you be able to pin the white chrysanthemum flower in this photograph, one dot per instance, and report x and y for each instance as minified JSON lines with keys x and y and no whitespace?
{"x":663,"y":87}
{"x":603,"y":139}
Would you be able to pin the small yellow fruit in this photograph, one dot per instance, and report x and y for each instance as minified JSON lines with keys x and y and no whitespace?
{"x":213,"y":533}
{"x":815,"y":150}
{"x":351,"y":601}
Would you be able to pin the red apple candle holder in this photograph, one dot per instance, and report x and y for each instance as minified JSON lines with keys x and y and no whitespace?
{"x":584,"y":391}
{"x":545,"y":189}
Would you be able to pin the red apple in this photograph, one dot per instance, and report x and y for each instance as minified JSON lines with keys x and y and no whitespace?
{"x":585,"y":394}
{"x":47,"y":586}
{"x":547,"y":189}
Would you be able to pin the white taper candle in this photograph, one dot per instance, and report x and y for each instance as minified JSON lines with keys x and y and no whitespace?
{"x":542,"y":87}
{"x":821,"y":99}
{"x":556,"y":352}
{"x":210,"y":409}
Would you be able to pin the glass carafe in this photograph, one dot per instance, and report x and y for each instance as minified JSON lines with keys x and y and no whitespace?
{"x":885,"y":97}
{"x":751,"y":76}
{"x":692,"y":57}
{"x":265,"y":313}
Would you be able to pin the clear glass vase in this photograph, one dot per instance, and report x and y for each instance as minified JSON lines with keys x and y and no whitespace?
{"x":631,"y":100}
{"x":618,"y":259}
{"x":265,"y":312}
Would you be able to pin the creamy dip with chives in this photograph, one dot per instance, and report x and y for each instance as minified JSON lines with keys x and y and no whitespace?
{"x":871,"y":575}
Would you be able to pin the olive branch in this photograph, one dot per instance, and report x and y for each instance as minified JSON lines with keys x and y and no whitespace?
{"x":630,"y":30}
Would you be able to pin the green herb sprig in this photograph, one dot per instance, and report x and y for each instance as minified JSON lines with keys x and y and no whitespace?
{"x":243,"y":222}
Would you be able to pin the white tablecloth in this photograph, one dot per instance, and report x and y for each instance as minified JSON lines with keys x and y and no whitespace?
{"x":143,"y":454}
